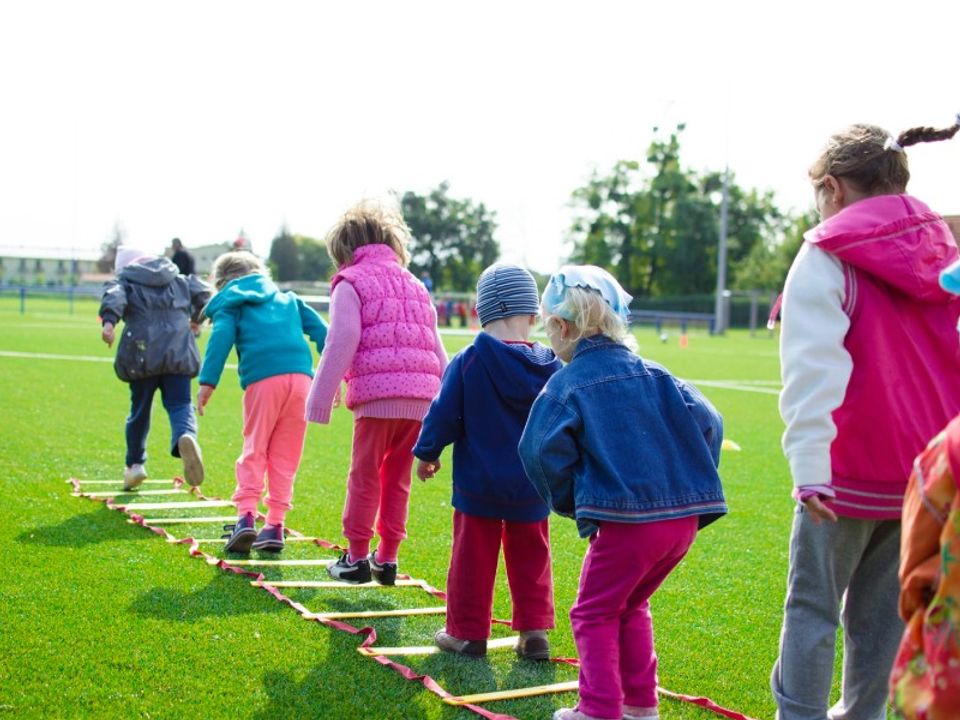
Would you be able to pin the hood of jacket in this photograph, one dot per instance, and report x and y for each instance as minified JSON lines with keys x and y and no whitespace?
{"x":155,"y":272}
{"x":254,"y":289}
{"x":517,"y":371}
{"x":895,"y":238}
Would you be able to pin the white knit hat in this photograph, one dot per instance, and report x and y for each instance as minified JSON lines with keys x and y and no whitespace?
{"x":127,"y":255}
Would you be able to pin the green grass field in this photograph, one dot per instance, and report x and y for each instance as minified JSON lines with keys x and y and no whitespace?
{"x":101,"y":618}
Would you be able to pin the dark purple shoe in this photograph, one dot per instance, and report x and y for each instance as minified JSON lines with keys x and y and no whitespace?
{"x":241,"y":536}
{"x":270,"y":539}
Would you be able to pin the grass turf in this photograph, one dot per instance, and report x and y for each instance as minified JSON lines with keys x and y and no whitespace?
{"x":101,"y":618}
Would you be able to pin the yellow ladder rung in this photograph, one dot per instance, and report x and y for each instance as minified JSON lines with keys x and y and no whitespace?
{"x":186,"y":521}
{"x":286,"y":539}
{"x":507,"y":642}
{"x":138,"y":493}
{"x":329,"y":584}
{"x":254,"y":562}
{"x":562,"y":687}
{"x":377,"y":613}
{"x":119,"y":483}
{"x":176,"y":505}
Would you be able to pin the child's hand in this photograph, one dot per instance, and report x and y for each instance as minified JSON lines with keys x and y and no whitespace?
{"x":203,"y":395}
{"x":426,"y":470}
{"x":818,"y":511}
{"x":195,"y":328}
{"x":107,"y":334}
{"x":336,"y":398}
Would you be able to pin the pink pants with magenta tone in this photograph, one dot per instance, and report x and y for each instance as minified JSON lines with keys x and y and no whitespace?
{"x":273,"y":431}
{"x":473,"y":571}
{"x":378,"y":486}
{"x":612,"y":625}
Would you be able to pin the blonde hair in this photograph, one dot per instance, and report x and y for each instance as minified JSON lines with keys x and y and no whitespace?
{"x":864,"y":156}
{"x":591,"y":315}
{"x":234,"y":264}
{"x":368,"y":223}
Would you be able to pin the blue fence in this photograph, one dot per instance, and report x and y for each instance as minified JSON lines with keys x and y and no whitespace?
{"x":20,"y":297}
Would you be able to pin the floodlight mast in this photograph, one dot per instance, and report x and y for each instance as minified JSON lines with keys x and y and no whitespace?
{"x":719,"y":315}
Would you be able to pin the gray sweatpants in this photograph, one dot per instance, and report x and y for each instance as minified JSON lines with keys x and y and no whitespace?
{"x":847,"y":570}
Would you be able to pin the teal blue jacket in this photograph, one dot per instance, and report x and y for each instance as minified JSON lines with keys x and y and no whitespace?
{"x":266,"y":325}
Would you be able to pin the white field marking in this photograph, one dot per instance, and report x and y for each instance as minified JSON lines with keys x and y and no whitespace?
{"x":736,"y":385}
{"x":77,"y":358}
{"x":86,"y":327}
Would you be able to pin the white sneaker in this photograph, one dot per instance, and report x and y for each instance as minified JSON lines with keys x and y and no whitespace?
{"x":192,"y":460}
{"x":133,"y":476}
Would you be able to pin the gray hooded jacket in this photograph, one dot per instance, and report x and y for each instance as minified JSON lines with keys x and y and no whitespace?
{"x":156,"y":304}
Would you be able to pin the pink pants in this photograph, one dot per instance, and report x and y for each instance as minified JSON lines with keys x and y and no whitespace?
{"x":273,"y":430}
{"x":378,"y":486}
{"x":611,"y":620}
{"x":473,"y":570}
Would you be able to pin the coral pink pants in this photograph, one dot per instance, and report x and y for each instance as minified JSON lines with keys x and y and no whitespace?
{"x":473,"y":570}
{"x":378,"y":486}
{"x":611,"y":620}
{"x":273,"y":430}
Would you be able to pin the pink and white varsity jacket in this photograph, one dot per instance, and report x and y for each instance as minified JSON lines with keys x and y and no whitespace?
{"x":870,"y":357}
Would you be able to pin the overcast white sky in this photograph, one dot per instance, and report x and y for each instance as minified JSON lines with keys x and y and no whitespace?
{"x":198,"y":118}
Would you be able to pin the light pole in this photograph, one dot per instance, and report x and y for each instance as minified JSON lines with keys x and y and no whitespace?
{"x":719,"y":316}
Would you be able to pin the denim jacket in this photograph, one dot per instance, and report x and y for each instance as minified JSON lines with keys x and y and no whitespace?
{"x":613,"y":437}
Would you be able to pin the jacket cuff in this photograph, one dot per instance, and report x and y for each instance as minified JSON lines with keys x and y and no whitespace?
{"x":810,"y":466}
{"x":318,"y":414}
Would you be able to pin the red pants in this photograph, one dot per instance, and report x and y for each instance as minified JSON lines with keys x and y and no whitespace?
{"x":473,"y":571}
{"x":378,"y":486}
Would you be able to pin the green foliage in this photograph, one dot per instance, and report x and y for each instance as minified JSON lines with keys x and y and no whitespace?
{"x":655,"y":226}
{"x":453,"y":239}
{"x":766,"y":266}
{"x":299,"y":257}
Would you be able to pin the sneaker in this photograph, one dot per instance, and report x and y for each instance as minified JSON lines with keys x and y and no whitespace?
{"x":357,"y":571}
{"x":383,"y":573}
{"x":133,"y":476}
{"x":470,"y":648}
{"x":533,"y":645}
{"x":634,"y":712}
{"x":192,"y":461}
{"x":270,"y":539}
{"x":241,"y":535}
{"x":571,"y":714}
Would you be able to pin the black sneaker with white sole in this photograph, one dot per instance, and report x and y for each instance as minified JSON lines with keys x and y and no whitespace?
{"x":357,"y":571}
{"x":241,"y":535}
{"x":383,"y":573}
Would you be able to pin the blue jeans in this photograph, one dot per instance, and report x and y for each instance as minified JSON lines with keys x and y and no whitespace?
{"x":175,"y":393}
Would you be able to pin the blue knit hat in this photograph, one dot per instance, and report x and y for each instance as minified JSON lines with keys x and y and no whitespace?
{"x":506,"y":290}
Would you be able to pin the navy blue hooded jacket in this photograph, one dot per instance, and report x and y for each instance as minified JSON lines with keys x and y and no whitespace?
{"x":485,"y":397}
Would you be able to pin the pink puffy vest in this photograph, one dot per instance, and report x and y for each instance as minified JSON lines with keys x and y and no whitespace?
{"x":396,"y":357}
{"x":905,"y":384}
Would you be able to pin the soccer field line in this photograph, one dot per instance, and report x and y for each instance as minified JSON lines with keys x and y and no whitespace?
{"x":335,"y":620}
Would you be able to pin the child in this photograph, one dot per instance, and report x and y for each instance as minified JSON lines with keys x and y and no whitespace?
{"x":384,"y":340}
{"x":157,"y":351}
{"x":631,"y":453}
{"x":484,"y":400}
{"x":267,"y":326}
{"x":869,"y":374}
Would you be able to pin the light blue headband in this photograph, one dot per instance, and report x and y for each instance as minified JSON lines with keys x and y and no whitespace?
{"x":590,"y":277}
{"x":950,"y":278}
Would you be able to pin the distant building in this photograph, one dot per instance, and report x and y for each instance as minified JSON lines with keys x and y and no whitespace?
{"x":43,"y":267}
{"x":204,"y":256}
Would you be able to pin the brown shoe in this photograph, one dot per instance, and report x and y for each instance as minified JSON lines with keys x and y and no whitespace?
{"x":533,"y":645}
{"x":471,"y":648}
{"x":192,"y":460}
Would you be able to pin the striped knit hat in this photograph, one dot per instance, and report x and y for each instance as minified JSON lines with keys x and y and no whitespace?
{"x":506,"y":290}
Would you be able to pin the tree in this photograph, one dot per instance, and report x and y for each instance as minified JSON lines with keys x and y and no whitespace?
{"x":765,"y":268}
{"x":452,"y":239}
{"x":108,"y":250}
{"x":655,"y":227}
{"x":298,"y":257}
